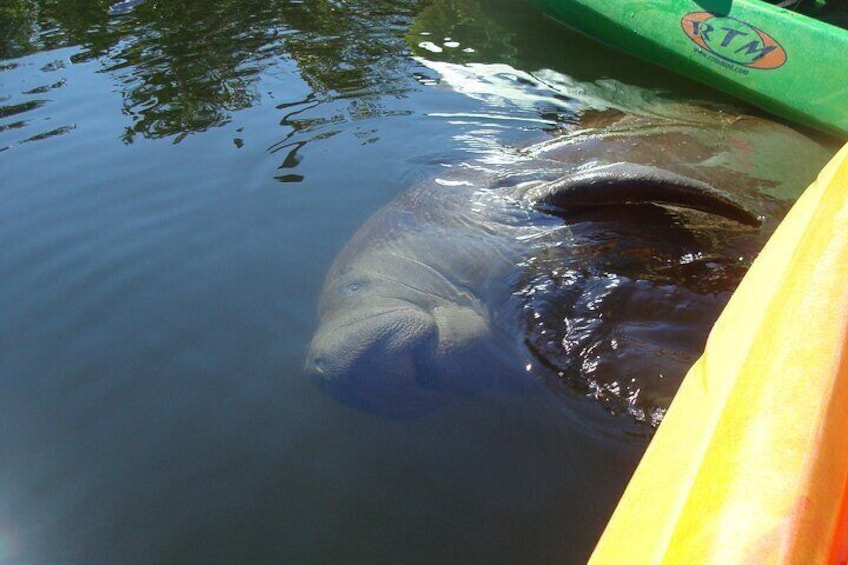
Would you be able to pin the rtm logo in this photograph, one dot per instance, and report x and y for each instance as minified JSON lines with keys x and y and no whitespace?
{"x":733,"y":40}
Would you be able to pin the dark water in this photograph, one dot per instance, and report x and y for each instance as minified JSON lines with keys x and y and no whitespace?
{"x":174,"y":183}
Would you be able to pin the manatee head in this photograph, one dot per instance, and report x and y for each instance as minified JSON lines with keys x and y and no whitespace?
{"x":396,"y":337}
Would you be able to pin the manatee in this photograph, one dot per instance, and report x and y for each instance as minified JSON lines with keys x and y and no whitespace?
{"x":593,"y":263}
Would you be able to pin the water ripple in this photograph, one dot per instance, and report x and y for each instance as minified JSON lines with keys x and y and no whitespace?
{"x":6,"y":111}
{"x":26,"y":113}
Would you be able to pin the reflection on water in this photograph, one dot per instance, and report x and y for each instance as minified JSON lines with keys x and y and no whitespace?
{"x":176,"y":182}
{"x":184,"y":67}
{"x":464,"y":32}
{"x":124,"y":7}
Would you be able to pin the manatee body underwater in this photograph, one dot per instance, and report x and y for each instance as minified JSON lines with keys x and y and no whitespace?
{"x":593,"y":263}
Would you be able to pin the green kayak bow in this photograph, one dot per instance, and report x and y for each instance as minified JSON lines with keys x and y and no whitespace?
{"x":785,"y":62}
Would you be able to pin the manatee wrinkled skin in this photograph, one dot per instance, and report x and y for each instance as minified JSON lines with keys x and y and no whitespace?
{"x":596,"y":261}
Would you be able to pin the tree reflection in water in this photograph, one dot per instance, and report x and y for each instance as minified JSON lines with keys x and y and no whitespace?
{"x":184,"y":67}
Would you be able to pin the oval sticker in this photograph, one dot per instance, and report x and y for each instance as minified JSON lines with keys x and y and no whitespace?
{"x":733,"y":40}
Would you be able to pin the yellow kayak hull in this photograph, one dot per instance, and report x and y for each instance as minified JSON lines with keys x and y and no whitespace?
{"x":750,"y":464}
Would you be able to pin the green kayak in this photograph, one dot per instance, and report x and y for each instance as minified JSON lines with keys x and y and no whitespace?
{"x":791,"y":63}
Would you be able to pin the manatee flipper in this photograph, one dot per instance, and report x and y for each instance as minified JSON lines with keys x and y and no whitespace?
{"x":629,"y":183}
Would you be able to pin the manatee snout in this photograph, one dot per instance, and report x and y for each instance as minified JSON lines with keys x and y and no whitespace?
{"x":399,"y":359}
{"x":352,"y":348}
{"x":376,"y":359}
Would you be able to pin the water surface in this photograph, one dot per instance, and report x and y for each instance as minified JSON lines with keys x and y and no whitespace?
{"x":176,"y":180}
